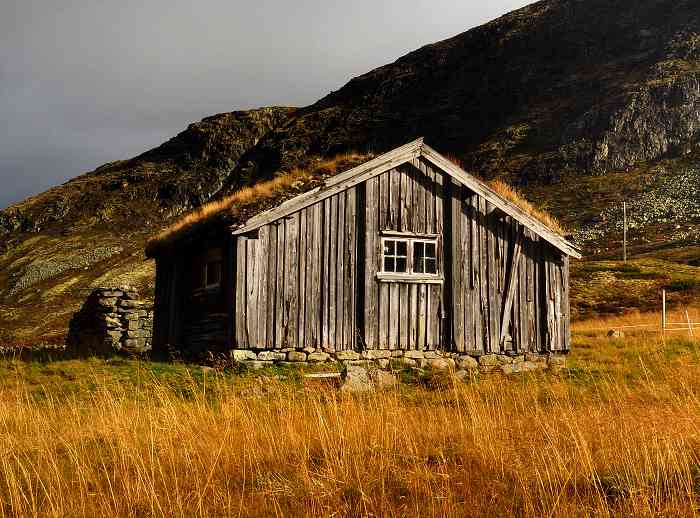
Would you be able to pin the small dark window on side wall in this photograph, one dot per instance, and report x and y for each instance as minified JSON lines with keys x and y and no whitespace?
{"x":212,"y":274}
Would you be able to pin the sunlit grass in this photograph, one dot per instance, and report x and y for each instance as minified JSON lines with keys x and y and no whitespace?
{"x":617,"y":434}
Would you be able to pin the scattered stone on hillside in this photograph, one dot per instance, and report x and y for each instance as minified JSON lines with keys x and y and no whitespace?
{"x":42,"y":269}
{"x":356,"y":380}
{"x":109,"y":323}
{"x":616,"y":333}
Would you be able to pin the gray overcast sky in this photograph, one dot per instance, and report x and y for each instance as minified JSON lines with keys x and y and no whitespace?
{"x":83,"y":82}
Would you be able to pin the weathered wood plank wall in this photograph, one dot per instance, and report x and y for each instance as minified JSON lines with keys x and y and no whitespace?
{"x":408,"y":199}
{"x":296,"y":279}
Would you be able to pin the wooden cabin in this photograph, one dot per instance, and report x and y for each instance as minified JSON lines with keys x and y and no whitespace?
{"x":406,"y":251}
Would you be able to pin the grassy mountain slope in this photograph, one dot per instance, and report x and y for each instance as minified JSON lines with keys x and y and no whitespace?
{"x":580,"y":103}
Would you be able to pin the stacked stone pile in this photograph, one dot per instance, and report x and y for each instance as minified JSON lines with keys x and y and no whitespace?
{"x":112,"y":320}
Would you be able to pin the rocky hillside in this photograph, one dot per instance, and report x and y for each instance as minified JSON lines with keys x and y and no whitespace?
{"x":582,"y":103}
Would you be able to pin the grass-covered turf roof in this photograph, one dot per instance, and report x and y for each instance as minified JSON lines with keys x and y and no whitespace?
{"x":250,"y":201}
{"x":255,"y":199}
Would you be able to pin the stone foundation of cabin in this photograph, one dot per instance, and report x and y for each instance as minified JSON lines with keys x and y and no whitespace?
{"x":112,"y":320}
{"x":384,"y":359}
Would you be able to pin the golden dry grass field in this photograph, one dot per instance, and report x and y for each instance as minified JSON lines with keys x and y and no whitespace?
{"x":616,"y":434}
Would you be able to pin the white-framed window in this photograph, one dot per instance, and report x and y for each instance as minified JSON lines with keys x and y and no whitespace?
{"x":395,"y":255}
{"x":425,"y":256}
{"x":410,"y":256}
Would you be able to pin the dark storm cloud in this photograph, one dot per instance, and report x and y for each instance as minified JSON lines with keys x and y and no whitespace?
{"x":83,"y":82}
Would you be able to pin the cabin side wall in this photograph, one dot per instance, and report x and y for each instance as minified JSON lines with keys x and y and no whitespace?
{"x":503,"y":271}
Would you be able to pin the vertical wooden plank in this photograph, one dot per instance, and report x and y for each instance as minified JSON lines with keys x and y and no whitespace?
{"x":279,"y":288}
{"x":540,"y":299}
{"x":384,"y":194}
{"x":422,"y":314}
{"x":436,"y":317}
{"x":414,"y":315}
{"x":457,"y":278}
{"x":384,"y":301}
{"x":405,"y":200}
{"x":439,"y":200}
{"x":418,"y":198}
{"x":566,"y":343}
{"x":348,"y":304}
{"x":332,"y":272}
{"x":261,"y":260}
{"x":394,"y":312}
{"x":241,"y":298}
{"x":371,"y":262}
{"x":291,"y":303}
{"x":530,"y":293}
{"x":271,"y":283}
{"x":251,"y":294}
{"x":394,"y":199}
{"x":474,"y":278}
{"x":403,"y":317}
{"x":325,"y":274}
{"x":428,"y":316}
{"x":314,"y":298}
{"x":301,"y":278}
{"x":465,"y":271}
{"x":429,"y":190}
{"x":340,"y":274}
{"x":483,"y":275}
{"x":492,"y":266}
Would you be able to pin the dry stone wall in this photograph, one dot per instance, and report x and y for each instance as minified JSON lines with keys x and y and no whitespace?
{"x":112,"y":320}
{"x":385,"y":359}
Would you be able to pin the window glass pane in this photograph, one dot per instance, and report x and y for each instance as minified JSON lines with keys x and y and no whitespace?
{"x":401,"y":265}
{"x":389,"y":247}
{"x":389,"y":264}
{"x":418,"y":257}
{"x":402,"y":248}
{"x":430,"y":266}
{"x":430,"y":250}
